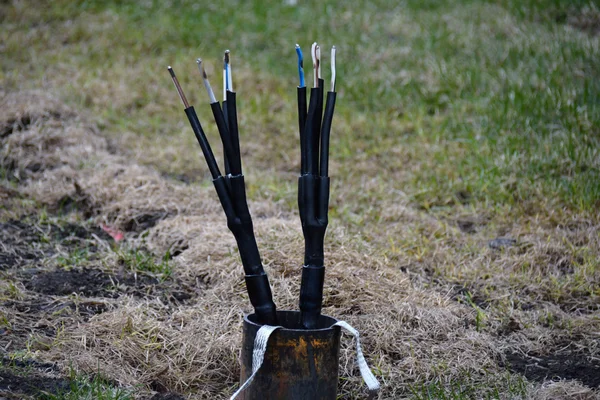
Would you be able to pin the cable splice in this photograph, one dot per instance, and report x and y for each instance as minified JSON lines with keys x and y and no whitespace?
{"x":313,"y":190}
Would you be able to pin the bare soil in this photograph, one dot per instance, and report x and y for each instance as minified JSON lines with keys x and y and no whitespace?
{"x":30,"y":378}
{"x":560,"y":364}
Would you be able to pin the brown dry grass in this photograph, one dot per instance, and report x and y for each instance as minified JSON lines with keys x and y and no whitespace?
{"x":413,"y":328}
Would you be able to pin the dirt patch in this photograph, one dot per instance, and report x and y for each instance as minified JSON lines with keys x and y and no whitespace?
{"x":15,"y":250}
{"x":61,"y":283}
{"x":30,"y":378}
{"x":562,"y":365}
{"x":31,"y":385}
{"x":95,"y":283}
{"x":25,"y":242}
{"x":145,"y":221}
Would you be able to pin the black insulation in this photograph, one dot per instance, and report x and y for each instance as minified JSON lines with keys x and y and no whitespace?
{"x":236,"y":165}
{"x":325,"y":133}
{"x":204,"y":145}
{"x":301,"y":125}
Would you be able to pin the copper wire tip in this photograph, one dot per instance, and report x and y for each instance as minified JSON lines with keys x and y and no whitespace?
{"x":178,"y":87}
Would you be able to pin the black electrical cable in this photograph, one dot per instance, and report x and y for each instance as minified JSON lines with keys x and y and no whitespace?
{"x":313,"y":227}
{"x":204,"y":145}
{"x":313,"y":194}
{"x":301,"y":126}
{"x":197,"y":128}
{"x":318,"y":119}
{"x":236,"y":163}
{"x":325,"y":133}
{"x":228,"y":151}
{"x":232,"y":195}
{"x":218,"y":115}
{"x":224,"y":111}
{"x":312,"y":153}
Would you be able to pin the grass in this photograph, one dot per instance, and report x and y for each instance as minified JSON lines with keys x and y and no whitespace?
{"x":82,"y":387}
{"x":515,"y":388}
{"x":138,"y":260}
{"x":509,"y":103}
{"x":458,"y":122}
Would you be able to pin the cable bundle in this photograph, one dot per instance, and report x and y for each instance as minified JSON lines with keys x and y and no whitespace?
{"x":313,"y":184}
{"x":231,"y":190}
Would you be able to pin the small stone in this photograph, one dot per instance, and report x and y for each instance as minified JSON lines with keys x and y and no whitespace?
{"x":499,"y":243}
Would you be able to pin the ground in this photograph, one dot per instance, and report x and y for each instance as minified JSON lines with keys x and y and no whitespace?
{"x":464,"y":236}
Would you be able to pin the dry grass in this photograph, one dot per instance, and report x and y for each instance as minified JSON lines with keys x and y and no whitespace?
{"x":413,"y":330}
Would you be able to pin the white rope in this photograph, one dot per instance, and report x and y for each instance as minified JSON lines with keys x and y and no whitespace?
{"x":260,"y":347}
{"x":258,"y":355}
{"x":365,"y":371}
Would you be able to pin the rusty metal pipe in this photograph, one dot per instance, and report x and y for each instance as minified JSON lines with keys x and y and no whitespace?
{"x":299,"y":363}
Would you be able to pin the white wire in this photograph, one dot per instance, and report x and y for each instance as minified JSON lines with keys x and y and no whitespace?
{"x":313,"y":54}
{"x":226,"y":72}
{"x":211,"y":94}
{"x":333,"y":69}
{"x":224,"y":82}
{"x":318,"y":51}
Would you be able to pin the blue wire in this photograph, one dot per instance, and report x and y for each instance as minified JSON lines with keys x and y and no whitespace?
{"x":300,"y":66}
{"x":226,"y":76}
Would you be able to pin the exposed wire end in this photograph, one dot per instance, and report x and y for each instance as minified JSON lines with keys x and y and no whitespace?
{"x":227,"y":60}
{"x":300,"y":65}
{"x":333,"y":50}
{"x":313,"y":54}
{"x":225,"y":77}
{"x":318,"y":57}
{"x":211,"y":94}
{"x":178,"y":87}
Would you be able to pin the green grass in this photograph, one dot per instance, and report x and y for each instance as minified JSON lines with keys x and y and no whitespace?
{"x":139,"y":260}
{"x":83,"y":387}
{"x":506,"y":387}
{"x":501,"y":106}
{"x":74,"y":258}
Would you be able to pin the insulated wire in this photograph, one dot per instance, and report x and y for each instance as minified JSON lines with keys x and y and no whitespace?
{"x":228,"y":71}
{"x":333,"y":50}
{"x":300,"y":66}
{"x":225,"y":61}
{"x":318,"y":53}
{"x":178,"y":87}
{"x":211,"y":94}
{"x":313,"y":53}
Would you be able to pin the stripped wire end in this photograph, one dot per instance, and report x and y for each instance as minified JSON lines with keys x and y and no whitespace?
{"x":211,"y":94}
{"x":178,"y":87}
{"x":227,"y":61}
{"x":333,"y":51}
{"x":300,"y":65}
{"x":318,"y":57}
{"x":313,"y":53}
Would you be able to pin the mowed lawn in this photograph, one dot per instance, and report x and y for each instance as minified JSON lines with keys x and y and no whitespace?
{"x":465,"y":161}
